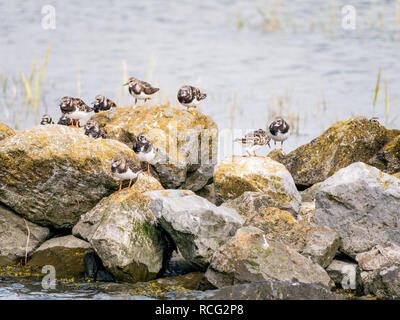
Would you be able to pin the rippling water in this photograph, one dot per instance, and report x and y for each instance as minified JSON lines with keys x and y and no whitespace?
{"x":309,"y":69}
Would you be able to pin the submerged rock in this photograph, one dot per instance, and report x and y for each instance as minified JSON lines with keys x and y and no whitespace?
{"x":362,"y":204}
{"x":5,"y":131}
{"x":249,"y":256}
{"x":235,"y":175}
{"x":14,"y":235}
{"x":198,"y":227}
{"x":52,"y":174}
{"x":122,"y":230}
{"x":185,"y":155}
{"x":66,"y":254}
{"x":345,"y":142}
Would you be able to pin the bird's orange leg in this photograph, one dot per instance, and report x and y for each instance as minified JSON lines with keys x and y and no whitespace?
{"x":130,"y":182}
{"x":148,"y":169}
{"x":120,"y":186}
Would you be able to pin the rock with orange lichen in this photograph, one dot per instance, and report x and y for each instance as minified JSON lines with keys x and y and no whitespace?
{"x":397,"y":175}
{"x":344,"y":143}
{"x":362,"y":204}
{"x":146,"y":182}
{"x":185,"y":142}
{"x":122,"y":230}
{"x":317,"y":242}
{"x":52,"y":174}
{"x":251,"y":256}
{"x":5,"y":131}
{"x":235,"y":175}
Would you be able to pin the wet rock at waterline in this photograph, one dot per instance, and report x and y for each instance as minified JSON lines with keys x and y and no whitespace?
{"x":122,"y":230}
{"x":52,"y":174}
{"x":354,"y":140}
{"x":249,"y":256}
{"x":235,"y":175}
{"x":5,"y":131}
{"x":271,"y":290}
{"x":198,"y":227}
{"x":14,"y":235}
{"x":66,"y":254}
{"x":185,"y":141}
{"x":362,"y":204}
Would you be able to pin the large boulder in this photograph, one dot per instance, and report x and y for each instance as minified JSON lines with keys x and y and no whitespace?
{"x":5,"y":131}
{"x":14,"y":235}
{"x":317,"y":242}
{"x":345,"y":142}
{"x":198,"y":227}
{"x":235,"y":175}
{"x":362,"y":204}
{"x":122,"y":230}
{"x":66,"y":254}
{"x":185,"y":153}
{"x":52,"y":174}
{"x":249,"y":256}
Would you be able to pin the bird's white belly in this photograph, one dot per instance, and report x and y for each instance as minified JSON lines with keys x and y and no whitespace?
{"x":146,"y":157}
{"x":251,"y":149}
{"x":78,"y":115}
{"x":141,"y":96}
{"x":128,"y":175}
{"x":192,"y":104}
{"x":280,"y":136}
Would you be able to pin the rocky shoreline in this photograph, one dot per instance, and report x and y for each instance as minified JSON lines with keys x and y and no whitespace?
{"x":314,"y":224}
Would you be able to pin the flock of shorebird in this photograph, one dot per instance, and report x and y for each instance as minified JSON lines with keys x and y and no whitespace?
{"x":73,"y":110}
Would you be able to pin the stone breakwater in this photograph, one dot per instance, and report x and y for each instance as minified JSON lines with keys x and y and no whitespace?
{"x":238,"y":229}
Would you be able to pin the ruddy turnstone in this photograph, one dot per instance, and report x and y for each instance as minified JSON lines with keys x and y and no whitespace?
{"x":279,"y":130}
{"x":140,"y":90}
{"x":65,"y":121}
{"x":374,"y":119}
{"x":144,"y":150}
{"x":125,"y":169}
{"x":254,"y":140}
{"x":190,"y":96}
{"x":101,"y":103}
{"x":93,"y":130}
{"x":75,"y":109}
{"x":46,"y":119}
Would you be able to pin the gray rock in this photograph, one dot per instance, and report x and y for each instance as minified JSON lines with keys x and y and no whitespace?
{"x":121,"y":228}
{"x":272,"y":290}
{"x":379,"y":257}
{"x":384,"y":282}
{"x":309,"y":194}
{"x":346,"y":275}
{"x":197,"y":226}
{"x":362,"y":204}
{"x":250,"y":202}
{"x":14,"y":234}
{"x":207,"y":192}
{"x":250,"y":256}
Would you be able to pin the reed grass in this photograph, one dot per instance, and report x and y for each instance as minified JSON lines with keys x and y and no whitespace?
{"x":377,"y":89}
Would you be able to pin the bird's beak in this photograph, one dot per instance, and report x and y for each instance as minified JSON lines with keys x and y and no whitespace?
{"x":125,"y":84}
